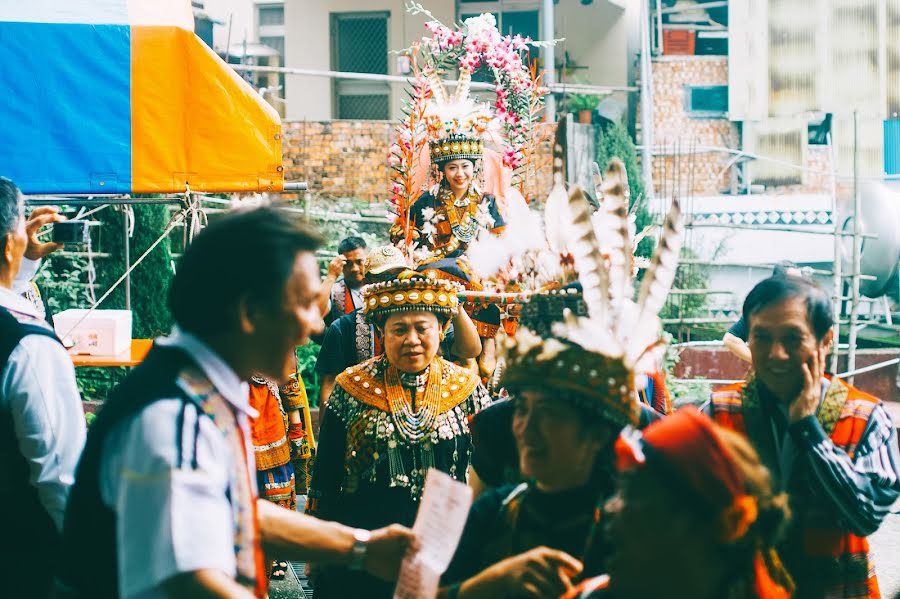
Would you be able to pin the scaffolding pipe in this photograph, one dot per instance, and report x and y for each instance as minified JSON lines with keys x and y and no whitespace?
{"x":837,"y":266}
{"x":854,"y":281}
{"x":646,"y":102}
{"x":127,"y":259}
{"x":597,"y":90}
{"x":549,"y":56}
{"x":658,"y":44}
{"x":785,"y":228}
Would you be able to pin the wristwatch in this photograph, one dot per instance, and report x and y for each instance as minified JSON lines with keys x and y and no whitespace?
{"x":358,"y":552}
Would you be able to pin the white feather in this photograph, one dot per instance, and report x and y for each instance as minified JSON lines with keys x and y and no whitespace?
{"x":489,"y":253}
{"x":655,"y":287}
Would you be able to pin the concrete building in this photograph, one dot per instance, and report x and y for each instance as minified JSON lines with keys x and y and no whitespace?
{"x":746,"y":97}
{"x":362,"y":36}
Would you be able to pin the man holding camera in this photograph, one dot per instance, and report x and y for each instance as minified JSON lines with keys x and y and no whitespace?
{"x":42,"y":427}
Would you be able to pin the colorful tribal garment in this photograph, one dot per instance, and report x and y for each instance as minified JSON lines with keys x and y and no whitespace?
{"x":248,"y":551}
{"x":842,"y":483}
{"x":389,"y":444}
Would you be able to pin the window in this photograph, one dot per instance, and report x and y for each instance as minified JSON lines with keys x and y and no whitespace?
{"x":706,"y":101}
{"x":359,"y":44}
{"x":271,"y":15}
{"x":818,"y":128}
{"x":270,"y":32}
{"x":513,"y":17}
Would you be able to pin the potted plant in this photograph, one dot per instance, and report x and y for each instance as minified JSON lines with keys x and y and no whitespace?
{"x":583,"y":105}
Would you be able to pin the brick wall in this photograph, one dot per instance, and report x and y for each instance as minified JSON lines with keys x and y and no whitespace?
{"x":348,"y":159}
{"x":680,"y":134}
{"x":339,"y":158}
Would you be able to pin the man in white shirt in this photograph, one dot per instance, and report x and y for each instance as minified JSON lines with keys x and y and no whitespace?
{"x":42,"y":426}
{"x":164,"y":503}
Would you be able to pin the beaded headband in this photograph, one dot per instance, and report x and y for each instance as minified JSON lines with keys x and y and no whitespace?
{"x":600,"y":383}
{"x":456,"y":147}
{"x":433,"y":295}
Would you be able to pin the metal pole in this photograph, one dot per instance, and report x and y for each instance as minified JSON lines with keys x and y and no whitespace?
{"x":646,"y":102}
{"x":127,"y":258}
{"x":837,"y":265}
{"x":597,"y":90}
{"x":658,"y":43}
{"x":549,"y":53}
{"x":857,"y":229}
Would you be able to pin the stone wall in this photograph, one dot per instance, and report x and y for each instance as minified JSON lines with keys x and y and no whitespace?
{"x":348,"y":159}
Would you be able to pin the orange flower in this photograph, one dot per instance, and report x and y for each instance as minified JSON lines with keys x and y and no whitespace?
{"x":736,"y":519}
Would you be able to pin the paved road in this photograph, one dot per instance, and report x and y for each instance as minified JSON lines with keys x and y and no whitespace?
{"x":886,"y":546}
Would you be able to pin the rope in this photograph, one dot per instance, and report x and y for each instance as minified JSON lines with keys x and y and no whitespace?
{"x":176,"y":219}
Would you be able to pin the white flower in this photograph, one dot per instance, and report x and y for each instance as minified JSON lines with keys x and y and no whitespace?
{"x":428,"y":229}
{"x":478,"y":26}
{"x":421,"y":254}
{"x":428,"y":214}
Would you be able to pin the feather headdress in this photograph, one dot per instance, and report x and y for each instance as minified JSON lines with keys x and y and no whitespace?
{"x":616,"y":325}
{"x":595,"y":351}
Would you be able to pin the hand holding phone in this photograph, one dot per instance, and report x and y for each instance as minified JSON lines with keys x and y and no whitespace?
{"x":39,"y":217}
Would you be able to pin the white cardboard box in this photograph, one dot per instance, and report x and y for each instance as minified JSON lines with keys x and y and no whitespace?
{"x":102,"y":333}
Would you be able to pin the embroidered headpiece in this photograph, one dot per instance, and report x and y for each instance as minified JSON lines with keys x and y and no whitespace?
{"x":455,"y":147}
{"x":406,"y":295}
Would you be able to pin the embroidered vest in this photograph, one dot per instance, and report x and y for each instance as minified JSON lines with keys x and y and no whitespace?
{"x":373,"y":436}
{"x":341,"y":301}
{"x":824,"y":560}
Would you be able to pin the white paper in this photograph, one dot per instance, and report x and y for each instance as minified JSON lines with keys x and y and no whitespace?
{"x":438,"y":528}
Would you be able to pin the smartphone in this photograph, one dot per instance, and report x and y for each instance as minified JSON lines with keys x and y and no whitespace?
{"x":74,"y":234}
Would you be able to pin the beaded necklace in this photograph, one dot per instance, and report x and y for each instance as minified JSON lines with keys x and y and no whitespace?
{"x":418,"y":425}
{"x":464,"y":228}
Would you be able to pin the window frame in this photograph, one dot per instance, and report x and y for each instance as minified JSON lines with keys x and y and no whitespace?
{"x":687,"y":102}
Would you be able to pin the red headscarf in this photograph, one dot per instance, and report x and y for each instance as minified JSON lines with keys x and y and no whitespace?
{"x":691,"y":444}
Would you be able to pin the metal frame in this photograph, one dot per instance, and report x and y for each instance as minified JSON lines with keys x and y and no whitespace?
{"x":853,"y":319}
{"x":121,"y":200}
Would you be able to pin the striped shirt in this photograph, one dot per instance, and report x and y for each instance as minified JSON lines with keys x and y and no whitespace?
{"x":863,"y":484}
{"x":860,"y":481}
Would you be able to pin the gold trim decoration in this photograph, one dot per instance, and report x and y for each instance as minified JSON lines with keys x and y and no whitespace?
{"x":456,"y":385}
{"x":420,"y":293}
{"x":595,"y":381}
{"x":456,"y":147}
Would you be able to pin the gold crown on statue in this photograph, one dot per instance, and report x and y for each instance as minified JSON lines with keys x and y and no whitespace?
{"x":406,"y":295}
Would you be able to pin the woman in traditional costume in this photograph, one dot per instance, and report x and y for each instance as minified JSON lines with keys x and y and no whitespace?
{"x":450,"y":132}
{"x":572,"y":385}
{"x":444,"y":220}
{"x":390,"y":419}
{"x":696,"y":517}
{"x":281,"y":445}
